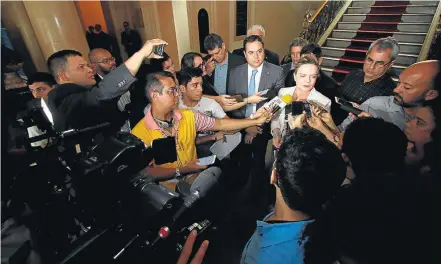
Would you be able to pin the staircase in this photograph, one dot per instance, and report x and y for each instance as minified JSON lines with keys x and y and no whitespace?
{"x":364,"y":22}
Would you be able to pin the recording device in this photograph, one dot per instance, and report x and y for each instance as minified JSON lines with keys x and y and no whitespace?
{"x":238,"y":98}
{"x":346,"y":105}
{"x":159,"y":49}
{"x":100,"y":192}
{"x":160,"y":155}
{"x":278,"y":103}
{"x":198,"y":190}
{"x":207,"y":160}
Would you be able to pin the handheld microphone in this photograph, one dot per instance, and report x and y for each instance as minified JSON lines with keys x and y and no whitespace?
{"x":278,"y":103}
{"x":198,"y":190}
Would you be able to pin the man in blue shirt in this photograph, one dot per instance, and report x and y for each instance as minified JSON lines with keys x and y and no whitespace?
{"x":308,"y":171}
{"x":225,"y":62}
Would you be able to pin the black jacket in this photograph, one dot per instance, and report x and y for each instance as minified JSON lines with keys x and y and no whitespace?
{"x":270,"y":56}
{"x":233,"y":62}
{"x":74,"y":106}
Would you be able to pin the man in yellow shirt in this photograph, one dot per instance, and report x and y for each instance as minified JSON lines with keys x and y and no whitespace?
{"x":163,"y":120}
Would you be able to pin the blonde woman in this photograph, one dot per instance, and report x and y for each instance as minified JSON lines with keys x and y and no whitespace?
{"x":305,"y":75}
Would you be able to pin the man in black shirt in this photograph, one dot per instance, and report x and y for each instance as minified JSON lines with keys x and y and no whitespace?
{"x":358,"y":86}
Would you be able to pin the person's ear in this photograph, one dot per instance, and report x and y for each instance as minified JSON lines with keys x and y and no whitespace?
{"x":391,"y":64}
{"x":223,"y":46}
{"x":182,"y":88}
{"x":273,"y":178}
{"x":320,"y":60}
{"x":63,"y":76}
{"x":431,"y":94}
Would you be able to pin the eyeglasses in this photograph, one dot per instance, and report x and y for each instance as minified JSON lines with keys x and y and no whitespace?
{"x":379,"y":64}
{"x":106,"y":60}
{"x":201,"y":66}
{"x":173,"y":90}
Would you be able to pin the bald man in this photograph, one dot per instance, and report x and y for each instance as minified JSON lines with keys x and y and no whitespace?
{"x":416,"y":87}
{"x":103,"y":63}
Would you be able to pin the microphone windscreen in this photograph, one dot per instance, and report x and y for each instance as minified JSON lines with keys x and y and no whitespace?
{"x":287,"y":98}
{"x":205,"y":181}
{"x":270,"y":94}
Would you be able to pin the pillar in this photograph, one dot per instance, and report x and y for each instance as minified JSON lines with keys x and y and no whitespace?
{"x":21,"y":33}
{"x":57,"y":26}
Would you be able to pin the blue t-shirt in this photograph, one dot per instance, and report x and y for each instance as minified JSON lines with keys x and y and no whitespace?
{"x":275,"y":243}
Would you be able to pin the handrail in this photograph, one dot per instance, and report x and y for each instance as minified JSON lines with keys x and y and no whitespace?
{"x":317,"y":12}
{"x":334,"y":23}
{"x":430,"y":34}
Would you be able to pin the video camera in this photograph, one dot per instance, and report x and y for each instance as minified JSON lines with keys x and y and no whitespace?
{"x":102,"y":195}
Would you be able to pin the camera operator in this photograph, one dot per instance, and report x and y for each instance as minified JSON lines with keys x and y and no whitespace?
{"x":40,"y":84}
{"x":163,"y":120}
{"x":77,"y":102}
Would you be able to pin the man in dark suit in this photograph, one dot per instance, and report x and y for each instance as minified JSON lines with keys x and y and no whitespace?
{"x":225,"y":62}
{"x":247,"y":79}
{"x":130,"y":39}
{"x":77,"y":102}
{"x":258,"y":30}
{"x":295,"y":48}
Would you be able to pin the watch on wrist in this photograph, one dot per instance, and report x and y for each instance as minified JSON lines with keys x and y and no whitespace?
{"x":178,"y":173}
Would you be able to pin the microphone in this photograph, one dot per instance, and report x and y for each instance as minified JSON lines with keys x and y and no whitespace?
{"x":278,"y":103}
{"x":198,"y":190}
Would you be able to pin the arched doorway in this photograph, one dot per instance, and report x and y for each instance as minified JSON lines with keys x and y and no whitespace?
{"x":204,"y":28}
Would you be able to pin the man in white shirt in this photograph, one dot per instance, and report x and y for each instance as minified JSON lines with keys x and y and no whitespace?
{"x":40,"y":84}
{"x":190,"y":85}
{"x":103,"y":62}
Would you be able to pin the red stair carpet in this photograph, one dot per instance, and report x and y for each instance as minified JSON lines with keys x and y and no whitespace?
{"x":380,"y":22}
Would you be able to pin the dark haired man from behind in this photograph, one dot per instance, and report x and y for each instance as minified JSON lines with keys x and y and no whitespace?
{"x":307,"y":173}
{"x":77,"y":102}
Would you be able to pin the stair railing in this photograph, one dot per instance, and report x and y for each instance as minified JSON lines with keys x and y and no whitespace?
{"x":431,"y":46}
{"x":316,"y":25}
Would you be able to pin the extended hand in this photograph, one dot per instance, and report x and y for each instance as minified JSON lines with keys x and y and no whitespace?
{"x":362,"y":114}
{"x":255,"y":99}
{"x":249,"y":138}
{"x":188,"y":248}
{"x":254,"y":130}
{"x":193,"y":167}
{"x":226,"y":100}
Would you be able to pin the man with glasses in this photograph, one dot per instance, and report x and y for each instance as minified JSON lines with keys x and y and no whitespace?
{"x":359,"y":86}
{"x":103,"y":63}
{"x":164,"y":120}
{"x":418,"y":85}
{"x":78,"y":102}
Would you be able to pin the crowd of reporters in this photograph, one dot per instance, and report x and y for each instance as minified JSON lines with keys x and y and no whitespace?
{"x":353,"y":188}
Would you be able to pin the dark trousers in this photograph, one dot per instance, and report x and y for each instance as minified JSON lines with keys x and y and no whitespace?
{"x":251,"y":162}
